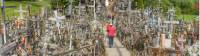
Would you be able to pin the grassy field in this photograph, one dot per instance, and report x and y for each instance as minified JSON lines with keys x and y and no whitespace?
{"x":10,"y":12}
{"x":187,"y":18}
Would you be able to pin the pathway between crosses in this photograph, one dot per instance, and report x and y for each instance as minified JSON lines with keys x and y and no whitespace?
{"x":117,"y":50}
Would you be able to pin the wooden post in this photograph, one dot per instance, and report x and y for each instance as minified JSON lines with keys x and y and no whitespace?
{"x":162,"y":40}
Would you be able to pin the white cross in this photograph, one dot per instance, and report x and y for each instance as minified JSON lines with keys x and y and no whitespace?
{"x":57,"y":18}
{"x":21,"y":11}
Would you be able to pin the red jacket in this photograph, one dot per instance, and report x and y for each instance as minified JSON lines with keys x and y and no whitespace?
{"x":111,"y":30}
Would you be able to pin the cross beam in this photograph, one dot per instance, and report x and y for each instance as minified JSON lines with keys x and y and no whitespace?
{"x":171,"y":22}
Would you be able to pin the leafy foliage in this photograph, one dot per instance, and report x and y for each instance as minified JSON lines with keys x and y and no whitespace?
{"x":182,"y":6}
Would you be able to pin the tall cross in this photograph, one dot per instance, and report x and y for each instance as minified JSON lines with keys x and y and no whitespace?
{"x":170,"y":21}
{"x":3,"y":17}
{"x":57,"y":18}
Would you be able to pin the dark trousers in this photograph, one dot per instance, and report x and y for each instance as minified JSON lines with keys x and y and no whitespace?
{"x":190,"y":42}
{"x":110,"y":41}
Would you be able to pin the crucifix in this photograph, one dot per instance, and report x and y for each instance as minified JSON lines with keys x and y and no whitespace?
{"x":20,"y":24}
{"x":21,"y":17}
{"x":4,"y":19}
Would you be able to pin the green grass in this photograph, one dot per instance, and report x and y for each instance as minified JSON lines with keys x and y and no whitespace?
{"x":187,"y":18}
{"x":12,"y":12}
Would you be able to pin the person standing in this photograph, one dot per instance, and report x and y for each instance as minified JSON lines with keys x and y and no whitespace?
{"x":111,"y":34}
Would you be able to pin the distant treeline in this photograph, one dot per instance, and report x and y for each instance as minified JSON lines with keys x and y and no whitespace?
{"x":21,"y":0}
{"x":181,"y":6}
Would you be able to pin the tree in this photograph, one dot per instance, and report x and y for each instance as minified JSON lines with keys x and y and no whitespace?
{"x":186,"y":6}
{"x":139,"y":3}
